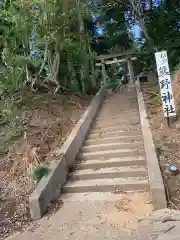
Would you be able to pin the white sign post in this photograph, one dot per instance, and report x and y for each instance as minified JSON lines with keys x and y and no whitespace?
{"x":165,"y":85}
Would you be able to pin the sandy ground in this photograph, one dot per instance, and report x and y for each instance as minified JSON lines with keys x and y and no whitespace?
{"x":91,"y":220}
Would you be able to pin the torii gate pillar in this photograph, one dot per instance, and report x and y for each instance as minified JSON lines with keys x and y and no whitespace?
{"x":131,"y":72}
{"x":104,"y":75}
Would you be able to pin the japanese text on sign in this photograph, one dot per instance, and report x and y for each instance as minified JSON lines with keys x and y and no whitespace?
{"x":165,"y":84}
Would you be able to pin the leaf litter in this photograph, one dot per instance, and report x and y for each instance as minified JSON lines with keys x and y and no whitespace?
{"x":32,"y":129}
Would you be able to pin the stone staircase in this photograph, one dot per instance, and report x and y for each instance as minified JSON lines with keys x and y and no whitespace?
{"x":112,"y":158}
{"x":107,"y":190}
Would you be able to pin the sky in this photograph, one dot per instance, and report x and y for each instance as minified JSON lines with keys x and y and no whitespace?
{"x":100,"y":31}
{"x":135,"y":29}
{"x":137,"y":32}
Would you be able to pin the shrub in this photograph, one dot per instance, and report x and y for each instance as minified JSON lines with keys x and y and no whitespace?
{"x":39,"y":172}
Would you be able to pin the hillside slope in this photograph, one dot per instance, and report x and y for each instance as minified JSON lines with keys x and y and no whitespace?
{"x":32,"y":128}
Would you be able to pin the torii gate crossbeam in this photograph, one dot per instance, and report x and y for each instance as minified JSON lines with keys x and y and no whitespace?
{"x":103,"y":60}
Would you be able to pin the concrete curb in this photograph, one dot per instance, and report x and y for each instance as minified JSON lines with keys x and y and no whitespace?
{"x":49,"y":188}
{"x":155,"y":177}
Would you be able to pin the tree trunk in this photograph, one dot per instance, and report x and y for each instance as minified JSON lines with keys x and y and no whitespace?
{"x":55,"y":71}
{"x":81,"y":31}
{"x":150,"y":4}
{"x":92,"y":67}
{"x":44,"y":60}
{"x":139,"y":17}
{"x":71,"y":69}
{"x":145,"y":32}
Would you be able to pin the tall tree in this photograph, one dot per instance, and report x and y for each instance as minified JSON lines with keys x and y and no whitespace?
{"x":40,"y":39}
{"x":115,"y":32}
{"x":150,"y":4}
{"x":136,"y":9}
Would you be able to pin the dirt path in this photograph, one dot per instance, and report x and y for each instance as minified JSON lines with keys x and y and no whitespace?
{"x":114,"y":218}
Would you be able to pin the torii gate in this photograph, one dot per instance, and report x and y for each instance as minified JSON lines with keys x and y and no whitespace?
{"x":109,"y":59}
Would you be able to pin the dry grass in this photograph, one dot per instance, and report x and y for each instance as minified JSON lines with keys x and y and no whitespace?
{"x":50,"y":120}
{"x":167,"y":140}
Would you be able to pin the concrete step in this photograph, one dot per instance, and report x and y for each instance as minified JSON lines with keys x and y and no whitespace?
{"x":98,"y":125}
{"x":101,"y":135}
{"x":111,"y":162}
{"x":110,"y":154}
{"x":121,"y":103}
{"x":105,"y":108}
{"x":115,"y":122}
{"x":116,"y":105}
{"x":132,"y":102}
{"x":106,"y":185}
{"x":110,"y":146}
{"x":130,"y":96}
{"x":120,"y":139}
{"x":104,"y":196}
{"x":96,"y":129}
{"x":111,"y":115}
{"x":111,"y":118}
{"x":117,"y":113}
{"x":108,"y":173}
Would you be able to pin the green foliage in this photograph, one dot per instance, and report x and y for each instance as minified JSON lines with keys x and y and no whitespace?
{"x":13,"y":122}
{"x":11,"y":79}
{"x":40,"y":41}
{"x":50,"y":41}
{"x":162,"y":23}
{"x":39,"y":172}
{"x":111,"y":16}
{"x":159,"y":150}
